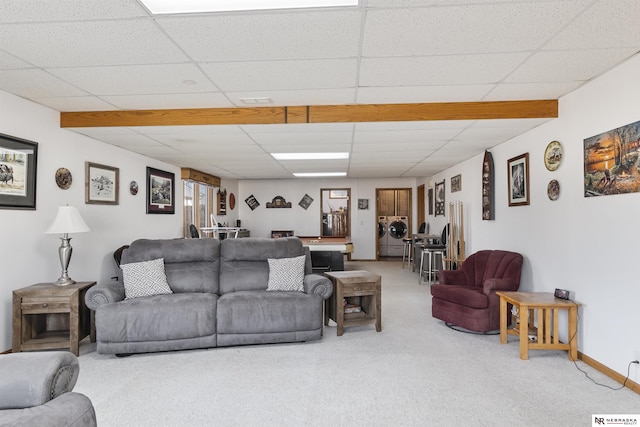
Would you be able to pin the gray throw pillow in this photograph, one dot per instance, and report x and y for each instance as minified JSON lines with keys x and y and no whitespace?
{"x":286,"y":274}
{"x":142,"y":279}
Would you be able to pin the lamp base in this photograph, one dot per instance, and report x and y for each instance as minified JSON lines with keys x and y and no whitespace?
{"x":64,"y":281}
{"x":64,"y":251}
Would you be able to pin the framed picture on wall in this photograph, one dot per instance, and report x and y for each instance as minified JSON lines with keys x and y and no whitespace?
{"x":440,"y":198}
{"x":18,"y":159}
{"x":518,"y":178}
{"x":101,"y":184}
{"x":160,"y":192}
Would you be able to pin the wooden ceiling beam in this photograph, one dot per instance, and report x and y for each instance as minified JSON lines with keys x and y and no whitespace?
{"x":314,"y":114}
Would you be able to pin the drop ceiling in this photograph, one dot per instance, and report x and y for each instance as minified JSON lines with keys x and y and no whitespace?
{"x":95,"y":55}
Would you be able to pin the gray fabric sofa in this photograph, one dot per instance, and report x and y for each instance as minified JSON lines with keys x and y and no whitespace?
{"x":219,"y":298}
{"x":35,"y":390}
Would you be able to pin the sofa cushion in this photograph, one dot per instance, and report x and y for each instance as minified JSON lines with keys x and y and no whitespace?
{"x":244,"y":265}
{"x":157,"y":318}
{"x":191,"y":265}
{"x":145,"y":278}
{"x":286,"y":274}
{"x":469,"y":296}
{"x":255,"y":312}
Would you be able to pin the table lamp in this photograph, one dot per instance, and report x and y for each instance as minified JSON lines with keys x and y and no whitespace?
{"x":67,"y":221}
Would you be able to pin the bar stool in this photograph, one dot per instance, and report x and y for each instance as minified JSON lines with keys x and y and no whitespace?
{"x":431,"y":254}
{"x":406,"y":250}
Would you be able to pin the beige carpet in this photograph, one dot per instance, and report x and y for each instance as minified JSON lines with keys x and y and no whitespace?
{"x":416,"y":372}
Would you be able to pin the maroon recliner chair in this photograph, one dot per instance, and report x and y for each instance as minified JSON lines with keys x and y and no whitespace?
{"x":467,"y":297}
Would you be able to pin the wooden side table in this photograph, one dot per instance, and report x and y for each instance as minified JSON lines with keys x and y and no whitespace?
{"x":47,"y":316}
{"x":359,"y":287}
{"x":545,"y":334}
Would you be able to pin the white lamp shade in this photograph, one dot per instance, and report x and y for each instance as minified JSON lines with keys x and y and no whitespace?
{"x":68,"y":220}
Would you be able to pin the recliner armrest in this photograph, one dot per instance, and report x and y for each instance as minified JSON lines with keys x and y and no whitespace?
{"x":104,"y":293}
{"x":317,"y":284}
{"x":32,"y":379}
{"x":492,"y":285}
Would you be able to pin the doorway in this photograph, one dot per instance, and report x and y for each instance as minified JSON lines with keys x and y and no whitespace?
{"x":393,"y":210}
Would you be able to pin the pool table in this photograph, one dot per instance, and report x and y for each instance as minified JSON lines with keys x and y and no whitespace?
{"x":338,"y":244}
{"x":327,"y":253}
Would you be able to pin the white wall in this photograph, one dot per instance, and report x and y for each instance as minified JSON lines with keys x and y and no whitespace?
{"x":29,"y":256}
{"x":586,"y":245}
{"x":364,"y":224}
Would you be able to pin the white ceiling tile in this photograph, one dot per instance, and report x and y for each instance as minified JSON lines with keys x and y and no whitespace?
{"x":438,"y":70}
{"x":483,"y":28}
{"x":567,"y":65}
{"x":176,"y":131}
{"x":36,"y":83}
{"x":404,"y":155}
{"x":137,"y":79}
{"x":420,"y":94}
{"x":71,"y":44}
{"x":8,"y":62}
{"x":413,"y":125}
{"x":606,"y":24}
{"x":75,"y":103}
{"x":169,"y":101}
{"x":384,"y":148}
{"x":67,"y":10}
{"x":286,"y":75}
{"x":307,"y":148}
{"x":299,"y":127}
{"x":529,"y":91}
{"x":427,"y":135}
{"x":259,"y":36}
{"x":302,"y":138}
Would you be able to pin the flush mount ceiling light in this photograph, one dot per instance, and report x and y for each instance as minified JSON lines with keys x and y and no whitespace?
{"x":259,"y":100}
{"x":310,"y":156}
{"x":318,"y":174}
{"x":200,"y":6}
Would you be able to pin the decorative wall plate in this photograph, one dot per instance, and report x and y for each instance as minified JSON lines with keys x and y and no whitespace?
{"x":553,"y":155}
{"x":232,"y":201}
{"x":553,"y":189}
{"x":133,"y":188}
{"x":63,"y":178}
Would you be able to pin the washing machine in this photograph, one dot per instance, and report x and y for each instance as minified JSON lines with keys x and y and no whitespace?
{"x":398,"y":229}
{"x":383,"y":236}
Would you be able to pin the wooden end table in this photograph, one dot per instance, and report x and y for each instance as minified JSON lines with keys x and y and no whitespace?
{"x":545,"y":334}
{"x":358,"y":287}
{"x":47,"y":316}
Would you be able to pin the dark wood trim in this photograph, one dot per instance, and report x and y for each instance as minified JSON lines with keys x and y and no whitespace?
{"x":314,"y":114}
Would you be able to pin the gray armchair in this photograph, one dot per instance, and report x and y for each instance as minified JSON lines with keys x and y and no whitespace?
{"x":35,"y":390}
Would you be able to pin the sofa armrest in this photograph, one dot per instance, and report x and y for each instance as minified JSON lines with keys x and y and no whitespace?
{"x":104,"y":293}
{"x":32,"y":379}
{"x":452,"y":277}
{"x":69,"y":410}
{"x":492,"y":285}
{"x":317,"y":284}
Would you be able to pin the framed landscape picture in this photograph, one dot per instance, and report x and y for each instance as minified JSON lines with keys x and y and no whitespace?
{"x":18,"y":167}
{"x":102,"y":184}
{"x":160,"y":192}
{"x":518,"y":178}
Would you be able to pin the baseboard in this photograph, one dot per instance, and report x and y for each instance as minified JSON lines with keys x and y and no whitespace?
{"x":6,"y":351}
{"x":632,"y":385}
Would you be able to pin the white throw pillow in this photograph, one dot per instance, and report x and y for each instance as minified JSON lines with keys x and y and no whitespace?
{"x":286,"y":274}
{"x":142,"y":279}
